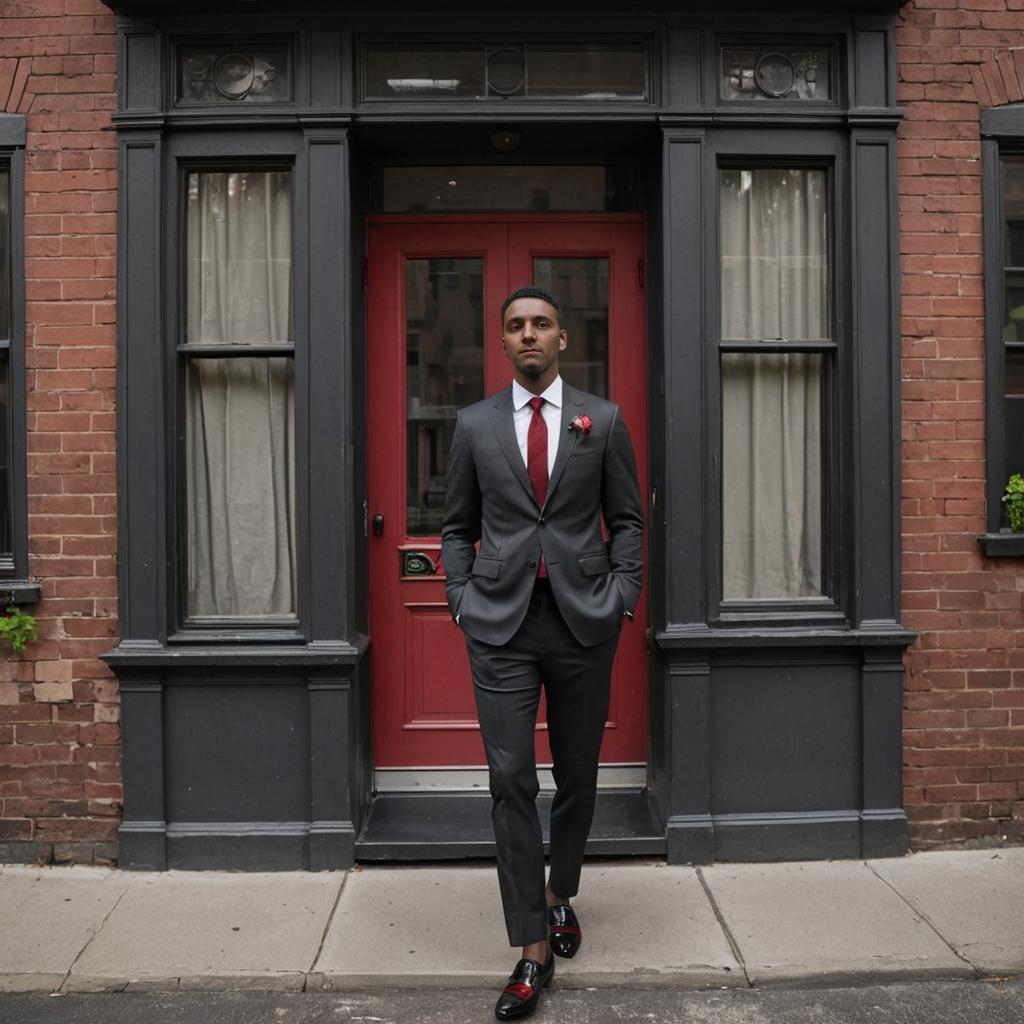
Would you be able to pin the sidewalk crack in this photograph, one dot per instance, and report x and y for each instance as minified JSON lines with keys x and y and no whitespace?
{"x":927,"y":920}
{"x":723,"y":924}
{"x":327,"y":930}
{"x":89,"y":941}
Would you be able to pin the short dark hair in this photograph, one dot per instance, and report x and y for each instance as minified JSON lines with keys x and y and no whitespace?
{"x":530,"y":291}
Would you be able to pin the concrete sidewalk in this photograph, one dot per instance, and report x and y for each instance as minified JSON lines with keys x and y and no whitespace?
{"x":928,"y":915}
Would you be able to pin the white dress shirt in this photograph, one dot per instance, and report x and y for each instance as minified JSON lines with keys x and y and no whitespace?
{"x":551,"y":410}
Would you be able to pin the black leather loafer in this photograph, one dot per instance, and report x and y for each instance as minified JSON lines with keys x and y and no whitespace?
{"x":522,"y":992}
{"x":564,"y":933}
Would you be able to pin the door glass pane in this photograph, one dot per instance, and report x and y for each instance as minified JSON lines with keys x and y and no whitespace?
{"x":239,"y":254}
{"x":240,"y":487}
{"x":774,"y":245}
{"x":771,"y":475}
{"x":444,"y":358}
{"x":539,"y":188}
{"x":581,"y":286}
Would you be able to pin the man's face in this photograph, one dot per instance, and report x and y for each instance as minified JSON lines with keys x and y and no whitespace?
{"x":532,"y":338}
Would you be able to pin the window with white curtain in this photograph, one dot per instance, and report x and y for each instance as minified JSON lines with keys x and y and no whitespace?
{"x":775,"y":340}
{"x":239,"y":396}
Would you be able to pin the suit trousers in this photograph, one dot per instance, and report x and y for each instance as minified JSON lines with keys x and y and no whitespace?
{"x":507,"y":683}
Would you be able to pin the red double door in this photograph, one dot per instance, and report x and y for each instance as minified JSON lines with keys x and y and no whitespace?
{"x":435,"y":288}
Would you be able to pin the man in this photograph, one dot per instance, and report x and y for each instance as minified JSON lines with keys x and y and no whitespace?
{"x":531,"y":472}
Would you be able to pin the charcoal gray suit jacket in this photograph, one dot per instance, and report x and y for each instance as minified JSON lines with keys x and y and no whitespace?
{"x":490,"y":500}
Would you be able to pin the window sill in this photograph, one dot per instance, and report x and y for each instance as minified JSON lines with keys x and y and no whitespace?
{"x":317,"y":654}
{"x":700,"y":635}
{"x":21,"y":591}
{"x":1004,"y":544}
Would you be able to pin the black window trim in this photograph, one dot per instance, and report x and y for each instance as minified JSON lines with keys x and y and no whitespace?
{"x":1002,"y":132}
{"x":239,"y":153}
{"x":817,"y":151}
{"x":15,"y":585}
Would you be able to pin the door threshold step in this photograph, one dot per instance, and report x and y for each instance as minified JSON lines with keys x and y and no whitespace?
{"x":448,"y":826}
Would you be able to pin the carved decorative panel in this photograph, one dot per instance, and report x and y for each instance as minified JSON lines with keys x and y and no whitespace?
{"x":783,"y":73}
{"x":234,"y":74}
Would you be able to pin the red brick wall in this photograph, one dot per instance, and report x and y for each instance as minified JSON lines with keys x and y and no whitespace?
{"x":964,"y":703}
{"x":60,"y":778}
{"x":964,"y":710}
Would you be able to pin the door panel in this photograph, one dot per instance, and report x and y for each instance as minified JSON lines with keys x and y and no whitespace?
{"x":434,"y":293}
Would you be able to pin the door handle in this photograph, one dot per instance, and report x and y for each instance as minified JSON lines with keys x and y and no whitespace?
{"x":378,"y":525}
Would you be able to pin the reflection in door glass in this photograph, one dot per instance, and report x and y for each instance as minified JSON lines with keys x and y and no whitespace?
{"x":581,"y":287}
{"x":444,"y":358}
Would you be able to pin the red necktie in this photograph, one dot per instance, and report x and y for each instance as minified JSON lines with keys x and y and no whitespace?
{"x":537,"y":461}
{"x":537,"y":452}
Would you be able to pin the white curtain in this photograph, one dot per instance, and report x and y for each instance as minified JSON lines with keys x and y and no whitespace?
{"x":240,"y":417}
{"x":773,"y":287}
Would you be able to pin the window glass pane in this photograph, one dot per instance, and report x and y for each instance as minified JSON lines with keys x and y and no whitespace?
{"x":240,"y":484}
{"x":401,"y":72}
{"x":1013,"y":308}
{"x":239,"y":256}
{"x":6,"y":544}
{"x":587,"y":72}
{"x":1012,"y":166}
{"x":5,"y":253}
{"x":771,"y":475}
{"x":581,"y":287}
{"x":1013,"y":414}
{"x":524,"y":187}
{"x":774,"y":245}
{"x":444,"y":303}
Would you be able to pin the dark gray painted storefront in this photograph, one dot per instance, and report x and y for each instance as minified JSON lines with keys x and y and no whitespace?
{"x":771,"y":735}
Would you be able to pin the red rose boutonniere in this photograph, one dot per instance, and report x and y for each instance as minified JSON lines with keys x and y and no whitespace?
{"x":582,"y":424}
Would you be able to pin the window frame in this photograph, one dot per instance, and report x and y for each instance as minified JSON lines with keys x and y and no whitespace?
{"x":825,"y":151}
{"x":199,"y":153}
{"x":1002,"y":132}
{"x":15,"y":585}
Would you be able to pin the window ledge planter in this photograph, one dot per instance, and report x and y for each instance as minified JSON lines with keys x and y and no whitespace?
{"x":1004,"y":544}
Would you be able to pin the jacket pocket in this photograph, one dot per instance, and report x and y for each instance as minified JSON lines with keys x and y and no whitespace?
{"x":595,"y":565}
{"x":489,"y":567}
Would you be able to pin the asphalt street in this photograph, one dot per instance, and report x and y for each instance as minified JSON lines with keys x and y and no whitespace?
{"x":956,"y":1002}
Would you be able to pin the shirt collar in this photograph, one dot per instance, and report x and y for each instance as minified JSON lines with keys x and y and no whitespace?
{"x":553,"y":394}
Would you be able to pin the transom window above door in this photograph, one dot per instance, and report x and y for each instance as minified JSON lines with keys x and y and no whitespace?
{"x":506,"y":70}
{"x":532,"y":188}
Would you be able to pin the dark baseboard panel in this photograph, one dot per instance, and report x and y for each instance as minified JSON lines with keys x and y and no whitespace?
{"x":813,"y":835}
{"x":237,"y":846}
{"x":456,"y":826}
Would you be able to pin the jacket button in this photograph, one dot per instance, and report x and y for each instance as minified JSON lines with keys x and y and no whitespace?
{"x":533,"y":565}
{"x":540,"y":519}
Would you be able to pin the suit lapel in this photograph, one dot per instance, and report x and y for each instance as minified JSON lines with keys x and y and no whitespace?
{"x":572,"y":406}
{"x":501,"y":415}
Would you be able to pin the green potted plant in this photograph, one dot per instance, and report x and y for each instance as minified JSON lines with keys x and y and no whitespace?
{"x":18,"y":628}
{"x":1013,"y":499}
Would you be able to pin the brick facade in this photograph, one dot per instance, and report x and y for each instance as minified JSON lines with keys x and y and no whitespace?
{"x":60,"y":780}
{"x":964,"y":704}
